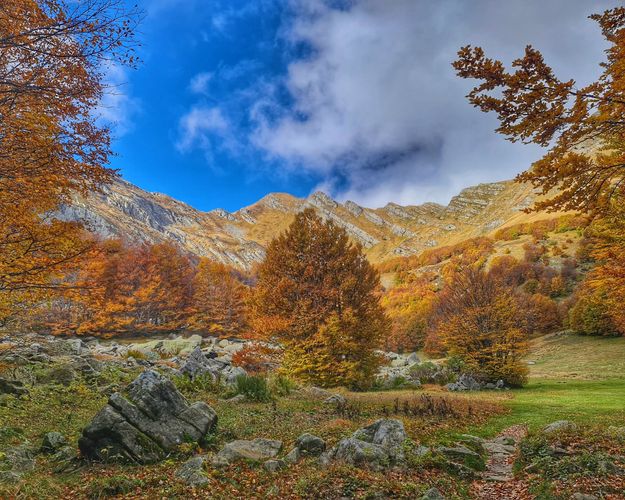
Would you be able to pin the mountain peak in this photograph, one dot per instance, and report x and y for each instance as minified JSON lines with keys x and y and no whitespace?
{"x":240,"y":238}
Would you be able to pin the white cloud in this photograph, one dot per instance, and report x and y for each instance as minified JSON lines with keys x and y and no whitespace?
{"x":197,"y":126}
{"x":378,"y":111}
{"x":117,"y":107}
{"x":199,"y":83}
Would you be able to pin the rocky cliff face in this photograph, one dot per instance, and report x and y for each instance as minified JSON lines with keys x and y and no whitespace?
{"x":239,"y":238}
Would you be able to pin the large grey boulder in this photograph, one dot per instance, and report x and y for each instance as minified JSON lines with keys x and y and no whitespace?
{"x":256,"y":450}
{"x":152,"y":419}
{"x":198,"y":364}
{"x":378,"y":445}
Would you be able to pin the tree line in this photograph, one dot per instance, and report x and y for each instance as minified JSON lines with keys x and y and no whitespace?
{"x":316,"y":294}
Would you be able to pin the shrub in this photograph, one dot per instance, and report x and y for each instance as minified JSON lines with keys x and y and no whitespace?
{"x":200,"y":383}
{"x":253,"y":387}
{"x":281,"y":385}
{"x":590,"y":316}
{"x":256,"y":358}
{"x":136,"y":353}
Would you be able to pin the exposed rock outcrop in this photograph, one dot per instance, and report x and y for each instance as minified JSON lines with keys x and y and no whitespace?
{"x":377,"y":446}
{"x":240,"y":238}
{"x":146,"y":423}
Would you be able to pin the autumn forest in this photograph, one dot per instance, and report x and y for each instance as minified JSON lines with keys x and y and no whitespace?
{"x":317,"y":340}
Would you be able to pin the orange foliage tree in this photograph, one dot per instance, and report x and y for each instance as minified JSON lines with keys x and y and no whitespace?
{"x":51,"y":57}
{"x":316,"y":295}
{"x":218,"y":300}
{"x":478,"y":322}
{"x":409,"y":308}
{"x":584,"y":127}
{"x":599,"y":309}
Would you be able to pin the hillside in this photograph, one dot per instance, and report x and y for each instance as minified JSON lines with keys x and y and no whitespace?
{"x":239,"y":238}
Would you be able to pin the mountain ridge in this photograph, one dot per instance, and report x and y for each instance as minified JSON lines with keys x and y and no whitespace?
{"x":239,"y":238}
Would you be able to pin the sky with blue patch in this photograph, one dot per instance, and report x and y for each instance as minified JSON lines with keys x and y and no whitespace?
{"x":235,"y":99}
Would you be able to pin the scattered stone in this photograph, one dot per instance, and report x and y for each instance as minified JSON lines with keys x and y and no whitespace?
{"x":310,"y":445}
{"x":464,"y":383}
{"x":335,"y":399}
{"x":559,"y":425}
{"x":293,"y":456}
{"x":192,"y":472}
{"x":257,"y":450}
{"x":62,"y":374}
{"x":151,"y":421}
{"x":75,"y":346}
{"x":473,"y":442}
{"x":379,"y":445}
{"x":15,"y":387}
{"x":274,"y":465}
{"x":52,"y":442}
{"x":413,"y":359}
{"x":584,"y":496}
{"x":20,"y":458}
{"x":458,"y":452}
{"x":10,"y":476}
{"x":65,"y":459}
{"x":236,"y":399}
{"x":432,"y":494}
{"x":502,"y":451}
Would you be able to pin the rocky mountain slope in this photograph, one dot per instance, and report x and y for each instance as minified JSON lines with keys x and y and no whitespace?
{"x":239,"y":238}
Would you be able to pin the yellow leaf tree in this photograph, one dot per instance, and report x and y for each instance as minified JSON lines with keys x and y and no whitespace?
{"x":316,"y":295}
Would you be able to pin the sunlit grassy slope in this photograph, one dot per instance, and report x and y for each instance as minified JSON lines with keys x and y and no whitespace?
{"x":575,"y":378}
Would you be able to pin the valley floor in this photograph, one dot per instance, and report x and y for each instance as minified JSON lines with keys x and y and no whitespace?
{"x":572,"y":378}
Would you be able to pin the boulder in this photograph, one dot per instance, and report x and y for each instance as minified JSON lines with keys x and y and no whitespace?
{"x":274,"y":465}
{"x":464,"y":383}
{"x":378,"y":445}
{"x":256,"y":450}
{"x":559,"y":425}
{"x":432,"y":494}
{"x":19,"y":459}
{"x":198,"y":364}
{"x":335,"y":399}
{"x":192,"y":472}
{"x":52,"y":442}
{"x":293,"y":456}
{"x":12,"y":387}
{"x":310,"y":445}
{"x":152,"y":419}
{"x":458,"y":452}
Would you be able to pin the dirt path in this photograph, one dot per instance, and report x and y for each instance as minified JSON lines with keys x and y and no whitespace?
{"x":498,"y":480}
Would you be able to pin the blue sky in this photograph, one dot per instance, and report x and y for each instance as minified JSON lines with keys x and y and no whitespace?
{"x":235,"y":99}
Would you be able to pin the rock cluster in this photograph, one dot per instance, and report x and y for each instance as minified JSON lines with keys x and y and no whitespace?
{"x":152,"y":419}
{"x":377,"y":446}
{"x":468,"y":383}
{"x":198,"y":363}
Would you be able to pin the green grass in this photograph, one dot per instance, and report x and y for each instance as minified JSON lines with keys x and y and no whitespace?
{"x":575,"y":378}
{"x":569,"y":356}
